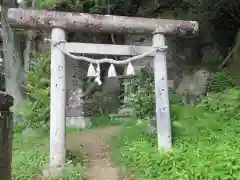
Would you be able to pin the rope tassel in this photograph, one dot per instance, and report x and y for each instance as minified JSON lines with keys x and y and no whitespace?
{"x":91,"y":71}
{"x":112,"y":71}
{"x":130,"y":70}
{"x":98,"y":81}
{"x":98,"y":75}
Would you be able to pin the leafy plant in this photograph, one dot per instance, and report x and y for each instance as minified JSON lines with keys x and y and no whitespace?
{"x":143,"y":99}
{"x":225,"y":103}
{"x":205,"y":137}
{"x":36,"y":110}
{"x":206,"y":143}
{"x":144,"y":94}
{"x":220,"y":82}
{"x":30,"y":155}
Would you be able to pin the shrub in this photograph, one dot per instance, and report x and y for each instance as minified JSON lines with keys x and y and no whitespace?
{"x":220,"y":82}
{"x":225,"y":103}
{"x":144,"y":94}
{"x":206,"y":144}
{"x":36,"y":110}
{"x":143,"y":100}
{"x":205,"y":137}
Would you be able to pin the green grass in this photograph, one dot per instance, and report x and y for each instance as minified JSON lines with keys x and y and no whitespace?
{"x":205,"y":145}
{"x":102,"y":121}
{"x":31,"y":153}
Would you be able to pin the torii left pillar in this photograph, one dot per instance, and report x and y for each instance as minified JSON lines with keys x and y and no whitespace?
{"x":58,"y":102}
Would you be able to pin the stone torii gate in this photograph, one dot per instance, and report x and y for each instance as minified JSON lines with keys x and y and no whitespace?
{"x":60,"y":22}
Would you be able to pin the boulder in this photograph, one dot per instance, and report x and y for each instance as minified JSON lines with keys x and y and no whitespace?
{"x":194,"y":85}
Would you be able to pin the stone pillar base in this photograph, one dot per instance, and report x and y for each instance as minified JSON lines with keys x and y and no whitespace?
{"x":53,"y":172}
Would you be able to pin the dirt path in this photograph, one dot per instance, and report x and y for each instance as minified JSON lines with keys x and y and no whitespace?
{"x":94,"y":146}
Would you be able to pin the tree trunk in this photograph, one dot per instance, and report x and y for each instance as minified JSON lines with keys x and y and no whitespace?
{"x":13,"y":63}
{"x":29,"y":50}
{"x":6,"y":102}
{"x":40,"y":19}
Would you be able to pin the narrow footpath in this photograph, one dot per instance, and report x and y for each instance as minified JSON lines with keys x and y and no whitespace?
{"x":93,"y":144}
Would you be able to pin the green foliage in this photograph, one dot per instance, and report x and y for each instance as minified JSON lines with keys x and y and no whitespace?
{"x":102,"y":121}
{"x":18,"y":127}
{"x":66,"y":5}
{"x":36,"y":110}
{"x":93,"y":6}
{"x":143,"y":100}
{"x":31,"y":154}
{"x":144,"y":94}
{"x":225,"y":103}
{"x":45,"y":3}
{"x":205,"y":137}
{"x":220,"y":82}
{"x":206,"y":143}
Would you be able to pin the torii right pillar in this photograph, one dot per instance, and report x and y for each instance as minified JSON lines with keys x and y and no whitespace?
{"x":164,"y":133}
